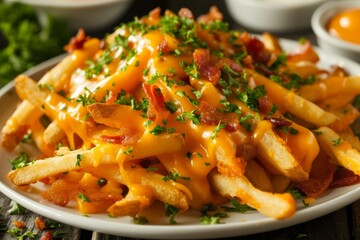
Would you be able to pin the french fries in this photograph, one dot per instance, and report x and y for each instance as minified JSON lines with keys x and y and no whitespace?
{"x":183,"y":112}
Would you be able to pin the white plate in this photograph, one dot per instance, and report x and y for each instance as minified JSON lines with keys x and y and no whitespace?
{"x":188,"y":223}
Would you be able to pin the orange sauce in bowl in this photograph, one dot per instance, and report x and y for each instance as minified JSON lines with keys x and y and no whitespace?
{"x":346,"y":26}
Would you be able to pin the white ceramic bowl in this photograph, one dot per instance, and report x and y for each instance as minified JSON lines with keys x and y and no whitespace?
{"x":330,"y":43}
{"x":91,"y":15}
{"x":277,"y":16}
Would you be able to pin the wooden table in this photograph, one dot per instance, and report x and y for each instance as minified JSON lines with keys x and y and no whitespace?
{"x":341,"y":224}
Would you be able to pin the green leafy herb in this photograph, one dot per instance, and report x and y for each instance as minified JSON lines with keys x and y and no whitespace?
{"x":336,"y":141}
{"x":16,"y":209}
{"x":140,"y":220}
{"x":171,"y":211}
{"x":192,"y":116}
{"x":79,"y":158}
{"x":237,"y":207}
{"x":83,"y":198}
{"x":217,"y":130}
{"x":102,"y":182}
{"x":39,"y":41}
{"x":21,"y":161}
{"x":295,"y":193}
{"x":174,"y":177}
{"x":208,"y":220}
{"x":171,"y":106}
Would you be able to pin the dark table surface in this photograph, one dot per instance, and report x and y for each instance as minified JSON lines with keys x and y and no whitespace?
{"x":341,"y":224}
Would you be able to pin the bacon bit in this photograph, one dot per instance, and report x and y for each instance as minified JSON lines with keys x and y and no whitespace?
{"x":207,"y":70}
{"x":39,"y":223}
{"x":320,"y":177}
{"x":19,"y":224}
{"x":264,"y":105}
{"x":111,"y":98}
{"x":124,"y":140}
{"x":212,"y":15}
{"x":278,"y":122}
{"x":257,"y":50}
{"x":77,"y":42}
{"x":344,"y":177}
{"x":185,"y":13}
{"x":155,"y":13}
{"x":113,"y":139}
{"x":156,"y":108}
{"x":210,"y":115}
{"x":47,"y":236}
{"x":232,"y":64}
{"x":248,"y":62}
{"x":164,"y":47}
{"x":61,"y":192}
{"x":155,"y":96}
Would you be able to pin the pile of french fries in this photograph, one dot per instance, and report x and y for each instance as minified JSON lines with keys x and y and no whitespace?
{"x":186,"y":112}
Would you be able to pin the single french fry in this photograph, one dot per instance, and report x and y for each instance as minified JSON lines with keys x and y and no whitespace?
{"x":341,"y":151}
{"x":18,"y":124}
{"x":258,"y":176}
{"x":53,"y":133}
{"x":331,"y":87}
{"x":125,"y":207}
{"x":273,"y":205}
{"x":348,"y":135}
{"x":275,"y":154}
{"x":169,"y":192}
{"x":272,"y":43}
{"x":293,"y":103}
{"x":103,"y":154}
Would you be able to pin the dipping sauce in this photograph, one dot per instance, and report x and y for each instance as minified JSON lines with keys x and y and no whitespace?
{"x":346,"y":26}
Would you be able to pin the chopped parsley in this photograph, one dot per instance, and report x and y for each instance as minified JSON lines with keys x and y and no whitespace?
{"x":192,"y":116}
{"x":171,"y":106}
{"x":102,"y":182}
{"x":217,"y":130}
{"x":79,"y":158}
{"x":16,"y":209}
{"x":21,"y":161}
{"x":174,"y":177}
{"x":140,"y":220}
{"x":237,"y":207}
{"x":171,"y":211}
{"x":336,"y":141}
{"x":83,"y":198}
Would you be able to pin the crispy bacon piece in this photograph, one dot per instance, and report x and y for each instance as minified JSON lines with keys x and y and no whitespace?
{"x":19,"y":224}
{"x":61,"y":192}
{"x":155,"y":13}
{"x":124,"y":140}
{"x":208,"y":70}
{"x":278,"y":122}
{"x":214,"y":14}
{"x":264,"y":105}
{"x":156,"y":108}
{"x":47,"y":236}
{"x":164,"y":47}
{"x":77,"y":42}
{"x":185,"y":13}
{"x":39,"y":223}
{"x":232,"y":64}
{"x":320,"y":177}
{"x":257,"y":50}
{"x":210,"y":115}
{"x":344,"y":177}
